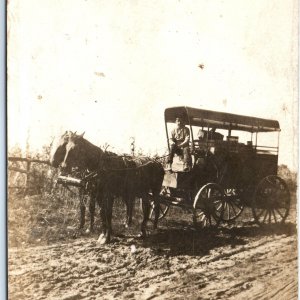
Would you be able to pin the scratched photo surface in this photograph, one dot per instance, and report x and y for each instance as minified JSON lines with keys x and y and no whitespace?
{"x":88,"y":83}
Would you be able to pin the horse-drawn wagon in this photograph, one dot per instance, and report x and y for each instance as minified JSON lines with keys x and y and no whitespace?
{"x":226,"y":174}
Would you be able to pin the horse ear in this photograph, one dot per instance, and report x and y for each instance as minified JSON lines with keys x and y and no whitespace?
{"x":81,"y":135}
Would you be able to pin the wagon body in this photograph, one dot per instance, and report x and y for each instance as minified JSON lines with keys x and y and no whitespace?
{"x":236,"y":164}
{"x":235,"y":157}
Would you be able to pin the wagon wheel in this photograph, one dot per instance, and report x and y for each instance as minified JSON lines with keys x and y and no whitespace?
{"x":208,"y":206}
{"x":233,"y":205}
{"x":163,"y":207}
{"x":271,"y":201}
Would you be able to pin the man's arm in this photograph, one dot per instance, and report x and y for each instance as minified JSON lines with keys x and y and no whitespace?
{"x":186,"y":139}
{"x":172,"y":138}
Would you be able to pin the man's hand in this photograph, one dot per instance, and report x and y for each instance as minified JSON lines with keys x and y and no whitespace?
{"x":172,"y":141}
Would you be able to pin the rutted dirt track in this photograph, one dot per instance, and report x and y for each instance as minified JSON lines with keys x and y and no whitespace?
{"x":241,"y":261}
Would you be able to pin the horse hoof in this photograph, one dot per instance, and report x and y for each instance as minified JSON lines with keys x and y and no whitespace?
{"x":101,"y":236}
{"x":141,"y":235}
{"x":127,"y":224}
{"x":101,"y":239}
{"x":90,"y":230}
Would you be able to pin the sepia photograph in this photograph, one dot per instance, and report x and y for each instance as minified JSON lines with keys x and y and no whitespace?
{"x":152,"y":149}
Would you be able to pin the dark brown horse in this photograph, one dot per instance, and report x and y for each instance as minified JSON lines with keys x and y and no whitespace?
{"x":116,"y":176}
{"x":57,"y":155}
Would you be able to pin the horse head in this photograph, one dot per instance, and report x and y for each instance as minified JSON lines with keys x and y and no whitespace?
{"x":80,"y":154}
{"x":58,"y":149}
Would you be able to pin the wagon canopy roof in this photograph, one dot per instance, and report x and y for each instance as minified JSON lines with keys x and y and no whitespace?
{"x":201,"y":117}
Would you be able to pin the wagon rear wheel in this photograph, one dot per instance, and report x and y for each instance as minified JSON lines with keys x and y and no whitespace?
{"x":233,"y":205}
{"x":208,"y":206}
{"x":271,"y":201}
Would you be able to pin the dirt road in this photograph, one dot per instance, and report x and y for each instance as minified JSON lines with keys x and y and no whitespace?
{"x":238,"y":262}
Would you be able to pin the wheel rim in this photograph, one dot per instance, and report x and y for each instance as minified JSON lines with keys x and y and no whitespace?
{"x":271,"y":201}
{"x":208,"y":206}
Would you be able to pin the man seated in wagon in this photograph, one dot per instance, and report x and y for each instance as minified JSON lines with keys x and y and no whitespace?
{"x":179,"y":144}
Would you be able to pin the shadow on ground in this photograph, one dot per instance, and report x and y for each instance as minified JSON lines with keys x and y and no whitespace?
{"x":184,"y":240}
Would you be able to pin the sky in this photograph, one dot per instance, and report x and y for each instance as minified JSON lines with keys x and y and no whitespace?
{"x":110,"y":68}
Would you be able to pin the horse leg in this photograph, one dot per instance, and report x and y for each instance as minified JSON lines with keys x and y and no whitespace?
{"x":106,"y":216}
{"x":110,"y":203}
{"x":146,"y":212}
{"x":156,"y":209}
{"x":129,"y":201}
{"x":82,"y":208}
{"x":103,"y":220}
{"x":93,"y":198}
{"x":156,"y":188}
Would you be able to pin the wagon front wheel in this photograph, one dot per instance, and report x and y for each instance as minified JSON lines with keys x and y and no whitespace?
{"x":271,"y":201}
{"x":208,"y":206}
{"x":163,"y":210}
{"x":163,"y":207}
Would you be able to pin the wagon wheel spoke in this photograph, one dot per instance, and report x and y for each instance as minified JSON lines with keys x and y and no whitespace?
{"x":265,"y":216}
{"x":220,"y":210}
{"x":275,"y":219}
{"x":214,"y":198}
{"x":269,"y":216}
{"x":225,"y":206}
{"x":228,"y":210}
{"x":209,"y":219}
{"x":233,"y":208}
{"x":219,"y":205}
{"x":202,"y":217}
{"x":237,"y":203}
{"x":260,"y":214}
{"x":279,"y":213}
{"x":271,"y":182}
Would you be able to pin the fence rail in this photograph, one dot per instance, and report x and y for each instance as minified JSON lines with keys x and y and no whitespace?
{"x":26,"y":170}
{"x":12,"y":158}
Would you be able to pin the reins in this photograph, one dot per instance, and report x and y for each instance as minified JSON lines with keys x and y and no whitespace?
{"x":125,"y":162}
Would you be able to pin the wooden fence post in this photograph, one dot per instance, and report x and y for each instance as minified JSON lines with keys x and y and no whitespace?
{"x":28,"y":165}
